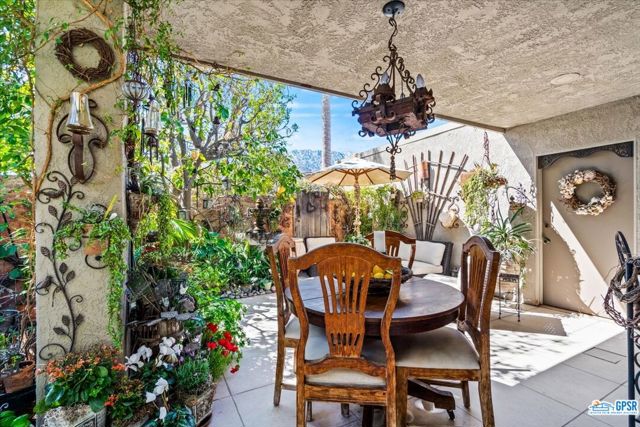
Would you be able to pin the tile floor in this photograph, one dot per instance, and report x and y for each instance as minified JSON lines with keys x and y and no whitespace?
{"x":546,"y":370}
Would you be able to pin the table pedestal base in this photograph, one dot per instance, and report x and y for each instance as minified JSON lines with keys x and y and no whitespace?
{"x":441,"y":399}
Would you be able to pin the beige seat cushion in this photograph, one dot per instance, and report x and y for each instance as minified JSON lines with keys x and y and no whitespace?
{"x":317,"y":242}
{"x":317,"y":348}
{"x":429,"y":252}
{"x":444,"y":348}
{"x":420,"y":268}
{"x":292,"y":329}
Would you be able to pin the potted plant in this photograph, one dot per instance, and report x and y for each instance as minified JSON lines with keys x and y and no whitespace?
{"x":79,"y":386}
{"x":195,"y":388}
{"x":509,"y":237}
{"x":17,"y":373}
{"x":107,"y":236}
{"x":127,"y":405}
{"x":477,"y":189}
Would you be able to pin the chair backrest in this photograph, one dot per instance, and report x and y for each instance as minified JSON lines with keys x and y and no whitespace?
{"x":479,"y":270}
{"x":278,"y":254}
{"x":345,"y":270}
{"x":392,"y":240}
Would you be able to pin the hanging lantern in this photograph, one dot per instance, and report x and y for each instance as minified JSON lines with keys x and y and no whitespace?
{"x":135,"y":90}
{"x":152,"y":123}
{"x":206,"y":203}
{"x":183,"y":214}
{"x":79,"y":120}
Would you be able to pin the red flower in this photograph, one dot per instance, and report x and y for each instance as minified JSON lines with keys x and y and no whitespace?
{"x":227,"y":336}
{"x":211,"y":345}
{"x":212,"y":327}
{"x":225,"y":353}
{"x":235,"y":369}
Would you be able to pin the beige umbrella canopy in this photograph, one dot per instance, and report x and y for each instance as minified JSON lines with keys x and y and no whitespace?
{"x":356,"y":172}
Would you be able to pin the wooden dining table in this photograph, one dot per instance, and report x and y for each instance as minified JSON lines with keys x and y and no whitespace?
{"x":423,"y":305}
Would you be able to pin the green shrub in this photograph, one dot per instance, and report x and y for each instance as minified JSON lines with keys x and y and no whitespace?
{"x":192,"y":376}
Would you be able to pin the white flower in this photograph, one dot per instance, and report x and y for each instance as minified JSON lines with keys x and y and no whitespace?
{"x":133,"y":362}
{"x":113,"y":215}
{"x":165,"y":301}
{"x":145,"y":352}
{"x":183,"y":289}
{"x":161,"y":386}
{"x":150,"y":397}
{"x":163,"y":413}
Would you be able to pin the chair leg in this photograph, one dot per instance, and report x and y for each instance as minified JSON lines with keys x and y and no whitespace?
{"x":309,"y":411}
{"x":344,"y":409}
{"x":402,"y":379}
{"x":367,"y":416}
{"x":486,"y":403}
{"x":391,"y":410}
{"x":465,"y":394}
{"x":277,"y":391}
{"x":300,"y":408}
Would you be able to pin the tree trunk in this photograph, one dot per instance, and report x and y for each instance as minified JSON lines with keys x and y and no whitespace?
{"x":326,"y":131}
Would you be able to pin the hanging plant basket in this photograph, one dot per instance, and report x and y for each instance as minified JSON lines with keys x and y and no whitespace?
{"x":20,"y":378}
{"x":74,"y":416}
{"x":151,"y":332}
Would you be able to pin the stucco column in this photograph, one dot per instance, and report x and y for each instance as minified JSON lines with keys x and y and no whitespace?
{"x":72,"y":293}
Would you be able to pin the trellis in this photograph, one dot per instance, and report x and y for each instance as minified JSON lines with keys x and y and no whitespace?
{"x":427,"y":194}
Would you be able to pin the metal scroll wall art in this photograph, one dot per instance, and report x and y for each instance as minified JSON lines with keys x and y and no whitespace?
{"x":428,"y":193}
{"x":85,"y":133}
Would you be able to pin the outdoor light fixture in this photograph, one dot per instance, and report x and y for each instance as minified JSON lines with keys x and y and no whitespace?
{"x":397,"y":105}
{"x":151,"y":125}
{"x":79,"y":120}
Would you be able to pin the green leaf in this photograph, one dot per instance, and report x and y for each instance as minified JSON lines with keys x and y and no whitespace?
{"x":96,"y":404}
{"x":102,"y":371}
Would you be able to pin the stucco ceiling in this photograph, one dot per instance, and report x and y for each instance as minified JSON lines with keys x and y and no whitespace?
{"x":490,"y":62}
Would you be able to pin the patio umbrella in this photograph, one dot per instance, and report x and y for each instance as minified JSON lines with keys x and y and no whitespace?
{"x":356,"y":172}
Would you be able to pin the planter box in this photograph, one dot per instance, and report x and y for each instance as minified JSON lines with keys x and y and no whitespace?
{"x":74,"y":416}
{"x":200,"y":405}
{"x":20,"y":379}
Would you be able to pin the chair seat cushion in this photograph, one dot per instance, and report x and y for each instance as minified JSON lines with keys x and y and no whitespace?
{"x":429,"y":252}
{"x":444,"y":348}
{"x":317,"y":348}
{"x":420,"y":268}
{"x":292,"y":329}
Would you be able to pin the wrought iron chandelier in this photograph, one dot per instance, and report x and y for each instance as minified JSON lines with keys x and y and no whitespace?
{"x":397,"y":105}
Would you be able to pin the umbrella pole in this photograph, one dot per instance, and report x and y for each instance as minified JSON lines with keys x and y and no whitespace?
{"x":356,"y":191}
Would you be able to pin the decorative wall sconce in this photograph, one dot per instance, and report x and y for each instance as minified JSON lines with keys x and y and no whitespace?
{"x":450,"y":217}
{"x":78,"y":128}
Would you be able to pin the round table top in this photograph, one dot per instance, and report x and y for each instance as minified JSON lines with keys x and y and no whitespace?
{"x":423,"y":305}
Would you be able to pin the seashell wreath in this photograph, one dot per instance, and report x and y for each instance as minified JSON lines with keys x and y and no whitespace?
{"x":596,"y":205}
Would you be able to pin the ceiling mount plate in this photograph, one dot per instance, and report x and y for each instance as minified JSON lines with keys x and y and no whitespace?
{"x":393,"y":8}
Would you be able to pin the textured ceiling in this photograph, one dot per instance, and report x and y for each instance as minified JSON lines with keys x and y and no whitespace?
{"x":489,"y":62}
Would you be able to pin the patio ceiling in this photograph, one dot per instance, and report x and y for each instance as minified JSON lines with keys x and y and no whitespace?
{"x":488,"y":62}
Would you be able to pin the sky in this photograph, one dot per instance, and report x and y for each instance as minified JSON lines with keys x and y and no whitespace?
{"x":306,"y":112}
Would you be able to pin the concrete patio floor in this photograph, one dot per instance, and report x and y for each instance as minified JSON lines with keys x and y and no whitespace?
{"x":546,"y":370}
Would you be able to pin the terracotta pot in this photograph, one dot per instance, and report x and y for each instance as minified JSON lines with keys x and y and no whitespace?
{"x":95,"y":247}
{"x":23,"y":378}
{"x":74,"y":416}
{"x":201,"y":404}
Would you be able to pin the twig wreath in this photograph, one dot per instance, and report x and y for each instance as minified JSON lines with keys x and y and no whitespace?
{"x":596,"y":205}
{"x":79,"y":37}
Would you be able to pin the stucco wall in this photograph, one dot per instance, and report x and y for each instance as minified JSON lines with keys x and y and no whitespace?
{"x":88,"y":290}
{"x":606,"y":124}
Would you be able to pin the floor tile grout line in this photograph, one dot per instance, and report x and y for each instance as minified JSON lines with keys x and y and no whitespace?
{"x":589,"y":372}
{"x":234,"y":403}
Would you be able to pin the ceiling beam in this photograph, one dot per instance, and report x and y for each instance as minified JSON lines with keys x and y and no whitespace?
{"x":201,"y":62}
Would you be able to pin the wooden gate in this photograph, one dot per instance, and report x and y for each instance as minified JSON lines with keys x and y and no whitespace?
{"x":312,"y":217}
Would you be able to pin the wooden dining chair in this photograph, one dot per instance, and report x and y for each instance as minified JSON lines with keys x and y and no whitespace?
{"x":392,"y":240}
{"x":446,"y":353}
{"x":278,"y":255}
{"x":334,"y":368}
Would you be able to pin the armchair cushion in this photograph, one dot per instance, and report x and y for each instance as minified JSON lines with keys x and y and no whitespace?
{"x":317,"y":348}
{"x":444,"y":348}
{"x":429,"y":252}
{"x":421,"y":268}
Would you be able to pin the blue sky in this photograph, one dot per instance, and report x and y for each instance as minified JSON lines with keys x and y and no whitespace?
{"x":306,"y":112}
